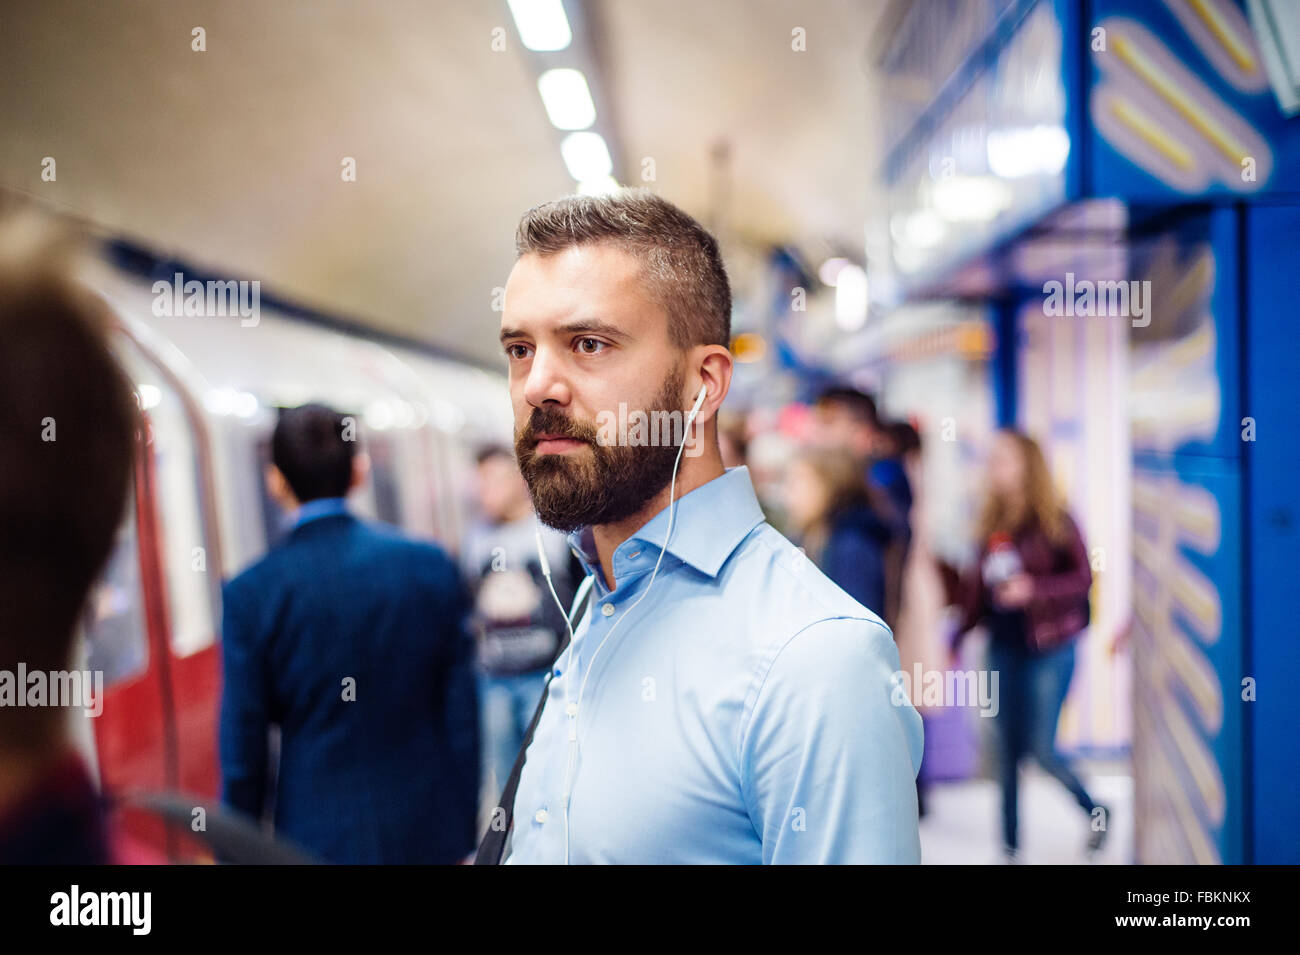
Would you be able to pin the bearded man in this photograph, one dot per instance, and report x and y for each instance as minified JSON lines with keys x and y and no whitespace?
{"x":721,"y":700}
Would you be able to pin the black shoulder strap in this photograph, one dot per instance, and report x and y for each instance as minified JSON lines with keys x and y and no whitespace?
{"x":492,"y":848}
{"x":232,"y":838}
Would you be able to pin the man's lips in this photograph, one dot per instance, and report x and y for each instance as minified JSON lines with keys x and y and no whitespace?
{"x":556,"y":444}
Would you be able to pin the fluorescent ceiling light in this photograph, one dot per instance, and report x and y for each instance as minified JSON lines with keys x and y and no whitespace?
{"x":586,"y":156}
{"x":971,"y":198}
{"x":851,"y":297}
{"x":830,"y":270}
{"x":1020,"y":151}
{"x":542,"y":24}
{"x":567,"y":98}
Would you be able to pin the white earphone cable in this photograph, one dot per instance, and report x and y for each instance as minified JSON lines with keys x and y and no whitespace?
{"x":572,"y":707}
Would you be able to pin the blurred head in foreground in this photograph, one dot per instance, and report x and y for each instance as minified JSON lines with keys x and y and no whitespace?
{"x":68,"y":422}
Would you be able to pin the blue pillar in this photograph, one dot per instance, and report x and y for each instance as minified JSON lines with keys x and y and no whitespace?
{"x":1006,"y":360}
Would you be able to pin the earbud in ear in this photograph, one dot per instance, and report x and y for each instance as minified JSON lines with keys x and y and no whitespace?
{"x":699,"y":400}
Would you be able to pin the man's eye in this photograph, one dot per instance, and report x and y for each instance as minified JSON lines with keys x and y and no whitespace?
{"x":590,"y":346}
{"x":517,"y":351}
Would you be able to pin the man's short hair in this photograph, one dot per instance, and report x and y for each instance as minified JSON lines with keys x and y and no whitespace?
{"x":68,"y":424}
{"x":860,"y":405}
{"x":311,"y":447}
{"x":681,"y":262}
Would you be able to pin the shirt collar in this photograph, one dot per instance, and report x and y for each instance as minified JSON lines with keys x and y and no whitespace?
{"x":710,"y":523}
{"x":321,"y":507}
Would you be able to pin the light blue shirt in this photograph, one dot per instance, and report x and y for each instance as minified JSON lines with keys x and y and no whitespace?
{"x":746,"y":711}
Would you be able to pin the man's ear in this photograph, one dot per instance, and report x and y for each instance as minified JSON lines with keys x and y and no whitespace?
{"x":360,"y":470}
{"x":715,"y":366}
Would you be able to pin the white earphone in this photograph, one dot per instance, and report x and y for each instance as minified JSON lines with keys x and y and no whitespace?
{"x":572,"y":708}
{"x":695,"y":408}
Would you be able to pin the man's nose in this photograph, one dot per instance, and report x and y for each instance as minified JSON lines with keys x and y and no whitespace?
{"x":546,"y":380}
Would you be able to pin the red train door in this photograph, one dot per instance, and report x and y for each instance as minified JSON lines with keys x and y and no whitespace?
{"x":134,"y":738}
{"x":154,"y":632}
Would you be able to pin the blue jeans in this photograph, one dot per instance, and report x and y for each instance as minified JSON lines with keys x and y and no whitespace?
{"x":506,"y":705}
{"x":1031,"y":691}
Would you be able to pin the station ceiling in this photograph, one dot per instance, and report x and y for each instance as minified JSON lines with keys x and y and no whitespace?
{"x":231,"y":158}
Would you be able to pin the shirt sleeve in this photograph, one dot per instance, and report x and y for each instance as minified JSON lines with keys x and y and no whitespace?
{"x":831,"y":749}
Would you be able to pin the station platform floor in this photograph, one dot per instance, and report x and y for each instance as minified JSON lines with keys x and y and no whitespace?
{"x":962,"y":824}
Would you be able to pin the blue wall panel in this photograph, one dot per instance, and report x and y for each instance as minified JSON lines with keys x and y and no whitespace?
{"x":1272,"y":259}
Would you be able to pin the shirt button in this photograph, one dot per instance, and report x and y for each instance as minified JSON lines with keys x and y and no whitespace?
{"x":572,"y":709}
{"x":607,"y":610}
{"x":541,"y":815}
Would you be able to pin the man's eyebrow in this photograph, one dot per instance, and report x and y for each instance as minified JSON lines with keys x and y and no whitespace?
{"x":591,"y":325}
{"x":586,"y":325}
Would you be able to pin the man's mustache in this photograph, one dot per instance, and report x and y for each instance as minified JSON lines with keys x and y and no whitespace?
{"x":550,"y":421}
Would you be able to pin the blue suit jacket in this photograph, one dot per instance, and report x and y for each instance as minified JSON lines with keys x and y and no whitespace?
{"x":351,"y":639}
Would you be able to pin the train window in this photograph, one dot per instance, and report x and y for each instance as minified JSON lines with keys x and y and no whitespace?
{"x":113,"y":623}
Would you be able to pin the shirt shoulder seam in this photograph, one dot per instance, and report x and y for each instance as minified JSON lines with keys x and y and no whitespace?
{"x":759,"y":682}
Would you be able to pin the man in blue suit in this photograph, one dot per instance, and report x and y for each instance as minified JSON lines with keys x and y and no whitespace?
{"x":351,"y":639}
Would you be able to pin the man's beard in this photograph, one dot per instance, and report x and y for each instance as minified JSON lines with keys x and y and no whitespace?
{"x":574,"y":489}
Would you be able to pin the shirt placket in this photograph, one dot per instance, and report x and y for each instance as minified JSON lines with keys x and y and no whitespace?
{"x":606,"y":611}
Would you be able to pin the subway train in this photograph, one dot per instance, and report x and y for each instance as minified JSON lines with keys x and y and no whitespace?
{"x":209,"y":388}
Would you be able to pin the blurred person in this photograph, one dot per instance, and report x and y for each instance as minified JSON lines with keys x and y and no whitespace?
{"x":835,"y":514}
{"x":898,"y":449}
{"x":846,"y":418}
{"x":517,"y":625}
{"x":67,"y":426}
{"x":898,"y":465}
{"x":715,"y":679}
{"x":830,"y":508}
{"x":895,"y":441}
{"x":1029,"y":587}
{"x":350,"y":638}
